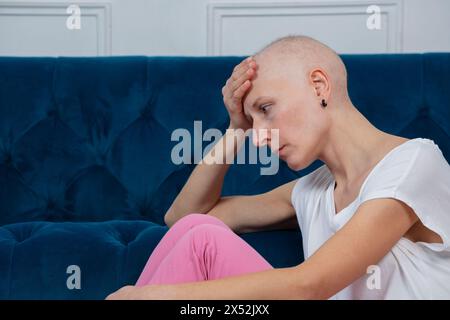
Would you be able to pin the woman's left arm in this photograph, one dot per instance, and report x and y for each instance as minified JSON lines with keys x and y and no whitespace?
{"x":368,"y":236}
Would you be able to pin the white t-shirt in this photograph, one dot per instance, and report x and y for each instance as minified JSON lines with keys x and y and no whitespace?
{"x":414,"y":172}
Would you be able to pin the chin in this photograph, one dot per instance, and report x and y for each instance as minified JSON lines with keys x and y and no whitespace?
{"x":294,"y":165}
{"x":297,"y":164}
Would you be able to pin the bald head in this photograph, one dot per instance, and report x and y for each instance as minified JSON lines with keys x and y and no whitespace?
{"x":306,"y":54}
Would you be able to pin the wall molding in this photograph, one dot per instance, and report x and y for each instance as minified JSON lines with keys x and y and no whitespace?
{"x":218,"y":12}
{"x":101,"y":11}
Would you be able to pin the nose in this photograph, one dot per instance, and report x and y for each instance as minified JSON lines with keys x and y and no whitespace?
{"x":260,"y":136}
{"x":264,"y":136}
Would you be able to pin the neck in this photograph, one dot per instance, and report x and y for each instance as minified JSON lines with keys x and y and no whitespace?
{"x":353,"y":146}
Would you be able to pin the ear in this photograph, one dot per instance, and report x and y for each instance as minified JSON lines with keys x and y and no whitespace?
{"x":321,"y":83}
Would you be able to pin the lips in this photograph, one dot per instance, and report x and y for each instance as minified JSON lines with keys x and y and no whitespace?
{"x":281,"y":150}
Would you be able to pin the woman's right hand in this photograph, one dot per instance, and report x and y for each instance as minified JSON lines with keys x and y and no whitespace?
{"x":235,"y":89}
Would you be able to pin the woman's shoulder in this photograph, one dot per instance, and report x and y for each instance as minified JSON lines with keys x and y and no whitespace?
{"x":428,"y":152}
{"x":417,"y":174}
{"x":416,"y":166}
{"x":420,"y":146}
{"x":420,"y":157}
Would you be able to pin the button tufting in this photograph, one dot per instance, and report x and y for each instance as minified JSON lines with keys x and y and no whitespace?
{"x":142,"y":211}
{"x":51,"y":113}
{"x":7,"y":159}
{"x":146,"y":113}
{"x":125,"y":237}
{"x":100,"y":158}
{"x":423,"y":112}
{"x":51,"y":205}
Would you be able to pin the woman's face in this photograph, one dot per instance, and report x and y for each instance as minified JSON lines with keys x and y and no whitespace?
{"x":287,"y":101}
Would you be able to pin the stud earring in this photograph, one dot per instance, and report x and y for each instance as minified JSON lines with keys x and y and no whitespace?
{"x":324,"y":104}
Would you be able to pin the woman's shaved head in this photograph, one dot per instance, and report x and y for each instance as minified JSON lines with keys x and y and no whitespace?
{"x":294,"y":74}
{"x":304,"y":54}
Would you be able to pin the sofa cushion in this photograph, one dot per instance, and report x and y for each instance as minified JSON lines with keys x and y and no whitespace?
{"x":89,"y":139}
{"x":35,"y":256}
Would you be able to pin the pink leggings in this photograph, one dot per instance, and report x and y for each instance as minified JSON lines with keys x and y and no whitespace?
{"x":200,"y":247}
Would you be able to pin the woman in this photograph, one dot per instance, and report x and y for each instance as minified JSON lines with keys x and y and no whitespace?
{"x":375,"y":219}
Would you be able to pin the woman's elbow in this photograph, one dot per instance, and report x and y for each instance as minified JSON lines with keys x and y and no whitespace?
{"x":309,"y":285}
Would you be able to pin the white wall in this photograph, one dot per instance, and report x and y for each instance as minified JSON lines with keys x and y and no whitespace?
{"x":213,"y":27}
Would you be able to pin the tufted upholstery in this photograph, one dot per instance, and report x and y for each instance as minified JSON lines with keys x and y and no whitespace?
{"x":85,"y":145}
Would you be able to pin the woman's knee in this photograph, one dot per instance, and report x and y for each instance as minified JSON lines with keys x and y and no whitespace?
{"x":209,"y":233}
{"x":194,"y":219}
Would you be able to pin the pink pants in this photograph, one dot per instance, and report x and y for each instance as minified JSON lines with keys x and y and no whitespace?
{"x":200,"y":247}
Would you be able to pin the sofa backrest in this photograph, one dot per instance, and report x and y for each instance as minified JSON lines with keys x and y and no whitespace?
{"x":89,"y":139}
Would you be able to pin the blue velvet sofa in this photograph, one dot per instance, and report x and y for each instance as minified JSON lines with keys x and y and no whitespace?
{"x":85,"y":157}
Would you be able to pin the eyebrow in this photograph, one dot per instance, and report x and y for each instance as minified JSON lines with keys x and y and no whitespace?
{"x":254,"y":104}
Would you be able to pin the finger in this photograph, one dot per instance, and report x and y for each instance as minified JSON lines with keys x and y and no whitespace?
{"x":237,"y":75}
{"x":244,"y":62}
{"x":241,"y":68}
{"x":240,"y":92}
{"x":251,"y":66}
{"x":248,"y":75}
{"x":233,"y":84}
{"x":226,"y":88}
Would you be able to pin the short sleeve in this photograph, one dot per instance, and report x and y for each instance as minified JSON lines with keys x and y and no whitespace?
{"x":306,"y":190}
{"x":419,"y":175}
{"x":295,"y":192}
{"x":296,"y":197}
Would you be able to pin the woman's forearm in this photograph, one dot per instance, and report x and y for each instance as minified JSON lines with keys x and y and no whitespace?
{"x":204,"y":186}
{"x":280,"y":283}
